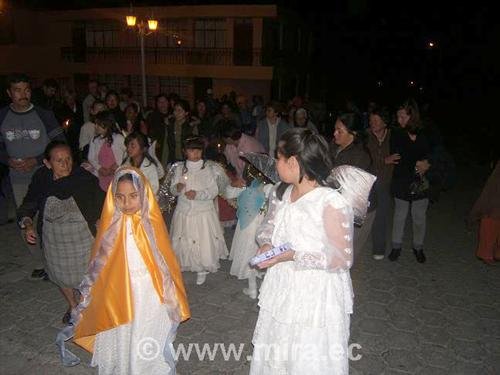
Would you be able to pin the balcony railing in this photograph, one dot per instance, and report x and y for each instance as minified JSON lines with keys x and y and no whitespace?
{"x":168,"y":56}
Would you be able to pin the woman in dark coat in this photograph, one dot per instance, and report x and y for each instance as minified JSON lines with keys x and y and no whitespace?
{"x":348,"y":148}
{"x":178,"y":129}
{"x":68,"y":201}
{"x":410,"y":151}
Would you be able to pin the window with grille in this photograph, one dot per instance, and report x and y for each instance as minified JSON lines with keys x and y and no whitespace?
{"x":173,"y":33}
{"x":177,"y":85}
{"x":210,"y":33}
{"x":136,"y":86}
{"x":107,"y":34}
{"x":115,"y":82}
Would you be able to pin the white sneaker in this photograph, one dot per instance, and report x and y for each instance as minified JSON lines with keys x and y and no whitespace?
{"x":252,"y":293}
{"x":201,"y":277}
{"x":378,"y":257}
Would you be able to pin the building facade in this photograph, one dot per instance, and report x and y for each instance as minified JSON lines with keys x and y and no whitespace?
{"x":223,"y":47}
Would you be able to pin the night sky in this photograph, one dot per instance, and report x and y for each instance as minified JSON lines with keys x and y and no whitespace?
{"x":368,"y":45}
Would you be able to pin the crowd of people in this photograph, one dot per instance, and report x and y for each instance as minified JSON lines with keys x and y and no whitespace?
{"x":86,"y":180}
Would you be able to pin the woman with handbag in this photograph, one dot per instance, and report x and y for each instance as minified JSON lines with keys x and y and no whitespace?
{"x":410,"y":187}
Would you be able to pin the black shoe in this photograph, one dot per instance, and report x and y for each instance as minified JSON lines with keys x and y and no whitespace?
{"x":67,"y":317}
{"x":419,"y":254}
{"x":394,"y":255}
{"x":39,"y":274}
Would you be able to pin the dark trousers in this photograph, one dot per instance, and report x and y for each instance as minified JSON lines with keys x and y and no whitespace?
{"x":382,"y":220}
{"x":7,"y":205}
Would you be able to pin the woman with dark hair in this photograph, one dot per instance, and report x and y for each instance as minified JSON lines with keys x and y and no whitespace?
{"x":138,"y":156}
{"x":134,"y":122}
{"x":225,"y":114}
{"x":203,"y":121}
{"x":306,"y":298}
{"x":107,"y":149}
{"x":349,"y":149}
{"x":378,"y":144}
{"x":112,"y":101}
{"x":178,"y":129}
{"x":157,"y":122}
{"x":409,"y":149}
{"x":68,"y":202}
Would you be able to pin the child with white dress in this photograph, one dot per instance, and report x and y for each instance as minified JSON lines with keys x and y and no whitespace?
{"x":306,"y":298}
{"x":197,"y":235}
{"x":133,"y":291}
{"x":252,"y":205}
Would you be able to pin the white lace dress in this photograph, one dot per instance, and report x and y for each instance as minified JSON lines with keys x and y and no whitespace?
{"x":305,"y":304}
{"x":136,"y":348}
{"x":196,"y":233}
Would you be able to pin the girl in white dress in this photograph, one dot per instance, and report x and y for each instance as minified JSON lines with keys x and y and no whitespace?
{"x":133,"y":297}
{"x":306,"y":298}
{"x":251,"y":211}
{"x":197,"y":235}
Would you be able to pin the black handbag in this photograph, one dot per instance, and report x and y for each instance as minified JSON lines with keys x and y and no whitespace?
{"x":419,"y":188}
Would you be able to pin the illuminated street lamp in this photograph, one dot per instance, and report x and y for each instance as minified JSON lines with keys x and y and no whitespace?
{"x":131,"y":20}
{"x":152,"y":24}
{"x":144,"y":29}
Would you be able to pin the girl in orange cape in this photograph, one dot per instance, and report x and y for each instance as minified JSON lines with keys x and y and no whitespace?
{"x":133,"y":296}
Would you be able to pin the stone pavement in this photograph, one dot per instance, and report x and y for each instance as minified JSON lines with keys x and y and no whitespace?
{"x":441,"y":317}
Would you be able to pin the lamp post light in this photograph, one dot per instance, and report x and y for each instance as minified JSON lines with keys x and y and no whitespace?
{"x":144,"y":30}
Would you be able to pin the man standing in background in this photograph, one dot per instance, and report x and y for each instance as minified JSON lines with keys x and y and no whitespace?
{"x":25,"y":131}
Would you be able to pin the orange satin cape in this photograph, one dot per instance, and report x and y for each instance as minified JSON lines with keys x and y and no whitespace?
{"x":111,"y":302}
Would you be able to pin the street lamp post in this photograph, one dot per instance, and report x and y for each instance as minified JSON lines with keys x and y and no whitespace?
{"x":143,"y":30}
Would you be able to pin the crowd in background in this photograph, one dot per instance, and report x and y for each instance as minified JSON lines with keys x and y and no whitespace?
{"x":59,"y":154}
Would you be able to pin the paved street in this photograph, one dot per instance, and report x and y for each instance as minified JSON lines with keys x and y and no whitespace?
{"x":441,"y":317}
